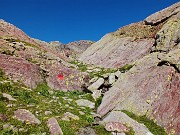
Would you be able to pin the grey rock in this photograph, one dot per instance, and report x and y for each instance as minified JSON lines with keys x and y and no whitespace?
{"x":85,"y":103}
{"x":112,"y":78}
{"x":96,"y":84}
{"x":54,"y":127}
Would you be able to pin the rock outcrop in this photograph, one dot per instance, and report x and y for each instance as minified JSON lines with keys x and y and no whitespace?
{"x":151,"y":87}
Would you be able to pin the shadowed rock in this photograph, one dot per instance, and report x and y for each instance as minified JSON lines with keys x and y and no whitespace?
{"x":96,"y":85}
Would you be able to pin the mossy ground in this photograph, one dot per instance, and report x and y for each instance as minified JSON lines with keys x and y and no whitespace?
{"x":38,"y":101}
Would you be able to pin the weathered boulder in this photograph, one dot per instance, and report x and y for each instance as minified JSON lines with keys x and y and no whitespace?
{"x":85,"y":103}
{"x":96,"y":84}
{"x":26,"y":116}
{"x":96,"y":94}
{"x":160,"y":16}
{"x":120,"y":117}
{"x":69,"y":116}
{"x":21,"y":70}
{"x":54,"y":127}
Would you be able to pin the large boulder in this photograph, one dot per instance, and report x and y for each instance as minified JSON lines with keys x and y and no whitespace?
{"x":147,"y":89}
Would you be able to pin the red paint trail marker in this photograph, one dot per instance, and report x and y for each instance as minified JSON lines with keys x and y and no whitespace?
{"x":60,"y":77}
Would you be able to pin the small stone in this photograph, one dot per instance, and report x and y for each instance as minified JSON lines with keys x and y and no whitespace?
{"x":96,"y":84}
{"x":112,"y":78}
{"x":85,"y":103}
{"x":117,"y":74}
{"x":96,"y":94}
{"x":106,"y":75}
{"x":5,"y":126}
{"x":9,"y":97}
{"x":54,"y":127}
{"x":3,"y":117}
{"x":82,"y":113}
{"x":47,"y":112}
{"x":69,"y":116}
{"x":93,"y":80}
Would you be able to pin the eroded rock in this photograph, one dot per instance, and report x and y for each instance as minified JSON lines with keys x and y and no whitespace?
{"x":54,"y":127}
{"x":26,"y":116}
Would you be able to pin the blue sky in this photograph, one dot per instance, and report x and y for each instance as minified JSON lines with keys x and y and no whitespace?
{"x":72,"y":20}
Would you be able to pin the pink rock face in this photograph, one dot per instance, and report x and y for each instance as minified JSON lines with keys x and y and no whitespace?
{"x":116,"y":127}
{"x":166,"y":110}
{"x":26,"y":116}
{"x":64,"y":78}
{"x":21,"y":70}
{"x":112,"y":52}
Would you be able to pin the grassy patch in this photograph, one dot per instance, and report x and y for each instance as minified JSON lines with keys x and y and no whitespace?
{"x":100,"y":130}
{"x":81,"y":66}
{"x":125,"y":68}
{"x":150,"y":124}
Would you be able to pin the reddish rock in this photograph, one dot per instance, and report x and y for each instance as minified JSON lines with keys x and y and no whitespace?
{"x":54,"y":127}
{"x":111,"y":52}
{"x":64,"y":78}
{"x":21,"y":70}
{"x":116,"y":127}
{"x":26,"y":116}
{"x":3,"y":117}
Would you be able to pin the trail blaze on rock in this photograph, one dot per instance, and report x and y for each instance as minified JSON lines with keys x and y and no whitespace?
{"x":60,"y":77}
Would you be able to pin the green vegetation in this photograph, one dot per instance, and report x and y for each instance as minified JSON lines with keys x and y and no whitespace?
{"x":125,"y":68}
{"x":131,"y":131}
{"x":101,"y":72}
{"x":150,"y":124}
{"x":81,"y":66}
{"x":98,"y":102}
{"x":100,"y":130}
{"x":11,"y":40}
{"x":38,"y":101}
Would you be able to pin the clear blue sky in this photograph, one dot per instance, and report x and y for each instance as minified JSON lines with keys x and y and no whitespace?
{"x":72,"y":20}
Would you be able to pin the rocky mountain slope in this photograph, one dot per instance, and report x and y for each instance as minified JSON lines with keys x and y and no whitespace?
{"x":127,"y":83}
{"x":151,"y":87}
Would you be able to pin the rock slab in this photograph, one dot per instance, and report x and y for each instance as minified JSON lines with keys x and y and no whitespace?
{"x":54,"y":127}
